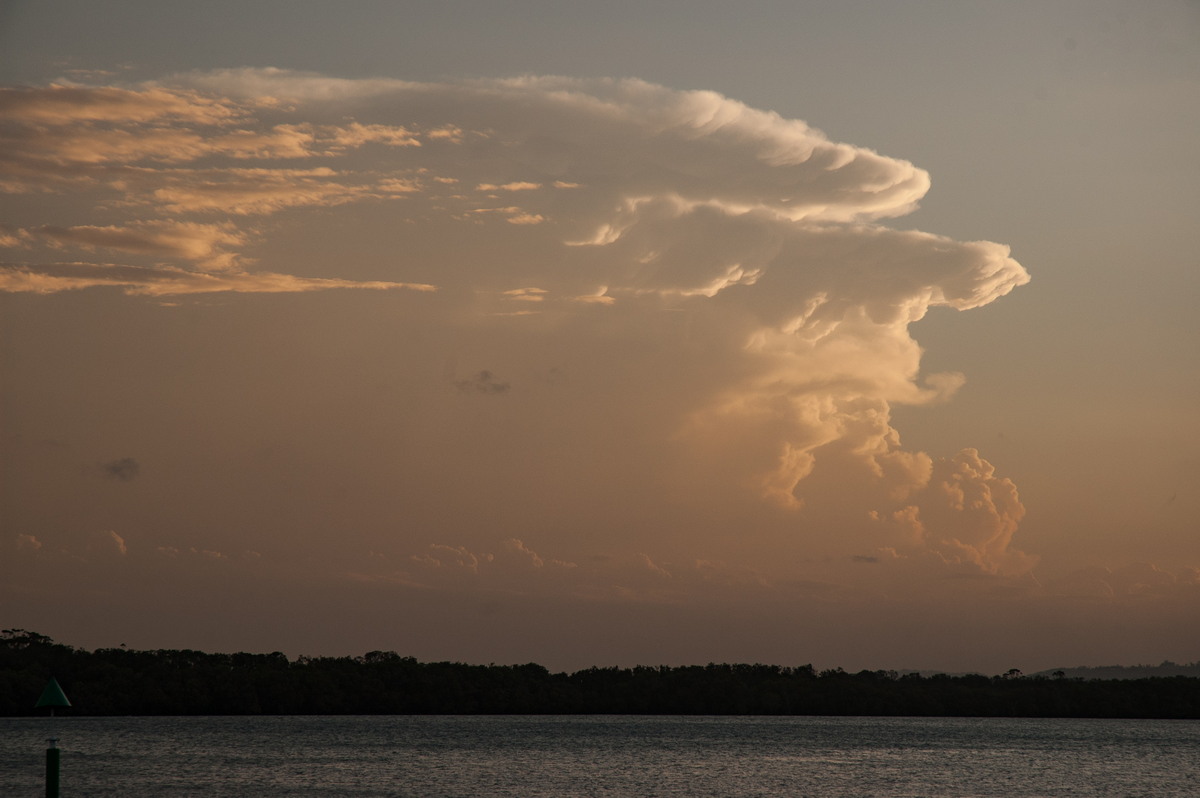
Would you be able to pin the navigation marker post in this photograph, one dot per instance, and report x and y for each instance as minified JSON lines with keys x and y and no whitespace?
{"x":52,"y":696}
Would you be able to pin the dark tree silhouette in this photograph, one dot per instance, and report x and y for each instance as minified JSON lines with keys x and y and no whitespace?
{"x":120,"y":681}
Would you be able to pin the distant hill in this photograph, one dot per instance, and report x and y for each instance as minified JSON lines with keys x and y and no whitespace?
{"x":1166,"y":668}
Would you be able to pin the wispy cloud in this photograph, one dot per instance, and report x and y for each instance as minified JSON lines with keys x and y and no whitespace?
{"x":204,"y":244}
{"x":246,"y":192}
{"x":514,"y":186}
{"x":172,"y":281}
{"x":66,"y":105}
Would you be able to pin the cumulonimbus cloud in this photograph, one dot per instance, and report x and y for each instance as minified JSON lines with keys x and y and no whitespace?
{"x":745,"y":245}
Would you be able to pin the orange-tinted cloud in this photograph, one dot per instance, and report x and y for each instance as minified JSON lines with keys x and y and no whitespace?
{"x":204,"y":244}
{"x":65,"y":105}
{"x":663,"y":296}
{"x":170,"y":281}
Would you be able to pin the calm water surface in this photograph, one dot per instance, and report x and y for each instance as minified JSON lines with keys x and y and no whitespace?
{"x":616,"y":757}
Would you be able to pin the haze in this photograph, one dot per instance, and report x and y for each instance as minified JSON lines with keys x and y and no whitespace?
{"x":851,"y":334}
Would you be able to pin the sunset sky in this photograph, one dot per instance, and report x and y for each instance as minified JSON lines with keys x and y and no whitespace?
{"x":859,"y":334}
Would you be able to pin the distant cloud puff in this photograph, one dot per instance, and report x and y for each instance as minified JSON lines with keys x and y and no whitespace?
{"x":125,"y":469}
{"x":483,"y":382}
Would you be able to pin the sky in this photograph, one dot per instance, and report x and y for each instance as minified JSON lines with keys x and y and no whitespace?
{"x":858,"y":334}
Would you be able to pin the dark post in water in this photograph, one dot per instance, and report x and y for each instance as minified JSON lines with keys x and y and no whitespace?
{"x":53,"y":696}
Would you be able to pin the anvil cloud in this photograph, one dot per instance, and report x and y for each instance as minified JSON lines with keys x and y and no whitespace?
{"x":641,"y":345}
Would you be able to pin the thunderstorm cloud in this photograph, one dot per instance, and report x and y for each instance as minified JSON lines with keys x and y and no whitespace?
{"x":703,"y":304}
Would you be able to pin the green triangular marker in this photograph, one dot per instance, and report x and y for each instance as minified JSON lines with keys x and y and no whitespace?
{"x":52,"y":696}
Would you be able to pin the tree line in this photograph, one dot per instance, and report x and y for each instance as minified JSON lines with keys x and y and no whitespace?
{"x":120,"y":681}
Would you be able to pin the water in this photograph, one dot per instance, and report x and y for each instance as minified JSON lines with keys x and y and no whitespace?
{"x":615,"y":757}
